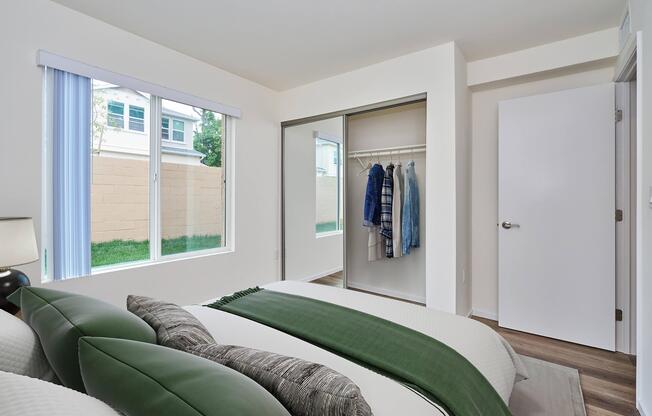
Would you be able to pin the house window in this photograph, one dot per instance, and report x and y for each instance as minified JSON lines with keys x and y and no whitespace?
{"x":107,"y":184}
{"x":136,"y":118}
{"x":178,"y":130}
{"x":165,"y":128}
{"x":328,"y":176}
{"x":115,"y":114}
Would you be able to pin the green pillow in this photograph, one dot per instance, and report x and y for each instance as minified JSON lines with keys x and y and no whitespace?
{"x":61,"y":318}
{"x":143,"y":379}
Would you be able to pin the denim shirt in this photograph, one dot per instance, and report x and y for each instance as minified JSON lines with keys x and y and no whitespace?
{"x":372,"y":196}
{"x":410,"y":223}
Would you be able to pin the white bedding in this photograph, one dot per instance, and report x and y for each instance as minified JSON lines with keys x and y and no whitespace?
{"x":482,"y":346}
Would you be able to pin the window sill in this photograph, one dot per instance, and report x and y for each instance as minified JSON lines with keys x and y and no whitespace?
{"x":328,"y":234}
{"x":97,"y":271}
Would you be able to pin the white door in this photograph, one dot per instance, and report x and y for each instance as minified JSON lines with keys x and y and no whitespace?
{"x":556,"y":215}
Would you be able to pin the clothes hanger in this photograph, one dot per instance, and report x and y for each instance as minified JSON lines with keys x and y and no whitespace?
{"x":359,"y":161}
{"x":364,"y":169}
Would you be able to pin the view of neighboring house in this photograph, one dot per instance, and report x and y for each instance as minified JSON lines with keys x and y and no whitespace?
{"x":120,"y":128}
{"x":327,"y":157}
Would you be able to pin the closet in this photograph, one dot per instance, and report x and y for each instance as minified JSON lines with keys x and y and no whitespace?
{"x":390,"y":136}
{"x":325,"y":179}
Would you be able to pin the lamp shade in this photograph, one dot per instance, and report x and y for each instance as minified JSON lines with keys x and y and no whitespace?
{"x":17,"y":242}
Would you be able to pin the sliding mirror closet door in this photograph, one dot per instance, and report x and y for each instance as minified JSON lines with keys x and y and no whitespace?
{"x":313,"y":201}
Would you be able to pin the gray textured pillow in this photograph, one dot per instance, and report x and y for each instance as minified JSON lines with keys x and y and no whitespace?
{"x":304,"y":388}
{"x":175,"y":327}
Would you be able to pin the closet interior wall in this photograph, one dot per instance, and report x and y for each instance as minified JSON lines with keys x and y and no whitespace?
{"x":403,"y":125}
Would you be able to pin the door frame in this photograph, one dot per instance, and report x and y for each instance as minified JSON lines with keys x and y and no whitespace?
{"x":626,"y":176}
{"x":626,"y":228}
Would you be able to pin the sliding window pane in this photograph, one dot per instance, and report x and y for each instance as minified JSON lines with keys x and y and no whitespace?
{"x":115,"y":114}
{"x":120,"y":176}
{"x":192,"y":179}
{"x":165,"y":128}
{"x":136,"y":118}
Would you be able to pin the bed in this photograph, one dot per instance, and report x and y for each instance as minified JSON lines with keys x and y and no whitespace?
{"x":480,"y":345}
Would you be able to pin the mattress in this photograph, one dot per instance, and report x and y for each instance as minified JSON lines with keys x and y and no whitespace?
{"x":482,"y":346}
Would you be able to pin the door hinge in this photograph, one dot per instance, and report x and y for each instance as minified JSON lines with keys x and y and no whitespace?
{"x":619,"y":215}
{"x":619,"y":315}
{"x":619,"y":115}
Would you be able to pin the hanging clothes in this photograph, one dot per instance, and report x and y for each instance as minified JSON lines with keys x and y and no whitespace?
{"x":375,"y":245}
{"x":397,"y":210}
{"x":372,"y":212}
{"x":372,"y":199}
{"x":410,"y":223}
{"x":386,"y":210}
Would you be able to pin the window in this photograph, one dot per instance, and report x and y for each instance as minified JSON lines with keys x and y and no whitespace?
{"x":136,"y":118}
{"x":178,"y":130}
{"x":121,"y":198}
{"x":165,"y":128}
{"x":115,"y":114}
{"x":193,"y":194}
{"x":328,"y":170}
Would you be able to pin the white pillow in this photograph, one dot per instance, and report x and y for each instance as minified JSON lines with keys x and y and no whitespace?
{"x":21,"y":395}
{"x":20,"y":349}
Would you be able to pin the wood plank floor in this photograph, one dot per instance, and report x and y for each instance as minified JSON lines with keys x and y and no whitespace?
{"x":334,"y":279}
{"x":608,"y":379}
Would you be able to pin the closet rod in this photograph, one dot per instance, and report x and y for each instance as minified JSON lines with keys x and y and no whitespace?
{"x":387,"y":151}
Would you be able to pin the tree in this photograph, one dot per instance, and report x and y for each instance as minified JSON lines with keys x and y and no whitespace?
{"x":208,"y":138}
{"x":98,"y":122}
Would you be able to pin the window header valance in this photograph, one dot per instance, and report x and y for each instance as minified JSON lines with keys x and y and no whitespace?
{"x":51,"y":60}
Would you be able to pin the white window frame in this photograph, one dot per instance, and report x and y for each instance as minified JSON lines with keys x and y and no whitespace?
{"x":168,"y":128}
{"x":173,"y":130}
{"x":339,"y":224}
{"x":158,"y":93}
{"x":109,"y":114}
{"x":129,"y":119}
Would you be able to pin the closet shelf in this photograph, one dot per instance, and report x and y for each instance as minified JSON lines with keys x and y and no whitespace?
{"x":387,"y":151}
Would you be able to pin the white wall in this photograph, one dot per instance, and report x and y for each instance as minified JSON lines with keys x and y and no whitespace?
{"x":307,"y":256}
{"x":484,"y":216}
{"x":25,"y":27}
{"x":403,"y":277}
{"x":641,"y":12}
{"x":591,"y":47}
{"x":431,"y":71}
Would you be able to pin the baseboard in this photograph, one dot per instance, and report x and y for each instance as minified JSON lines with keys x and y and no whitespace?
{"x":639,"y":407}
{"x":320,"y":275}
{"x":387,"y":292}
{"x":482,"y":313}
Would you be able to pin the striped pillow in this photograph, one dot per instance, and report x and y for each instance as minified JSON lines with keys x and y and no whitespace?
{"x":304,"y":388}
{"x":175,"y":327}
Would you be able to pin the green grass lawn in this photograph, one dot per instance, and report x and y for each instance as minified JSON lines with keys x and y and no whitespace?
{"x":124,"y":251}
{"x":325,"y":227}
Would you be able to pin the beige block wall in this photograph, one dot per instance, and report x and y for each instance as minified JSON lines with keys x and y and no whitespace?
{"x":192,"y":200}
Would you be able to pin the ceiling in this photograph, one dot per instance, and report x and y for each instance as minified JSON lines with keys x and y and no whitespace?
{"x":286,"y":43}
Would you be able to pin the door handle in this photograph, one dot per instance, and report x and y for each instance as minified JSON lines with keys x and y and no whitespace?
{"x":508,"y":225}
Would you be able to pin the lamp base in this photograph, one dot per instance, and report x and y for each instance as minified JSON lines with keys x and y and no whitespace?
{"x":10,"y":281}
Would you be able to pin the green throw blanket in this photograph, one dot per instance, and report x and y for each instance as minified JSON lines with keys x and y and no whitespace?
{"x":410,"y":357}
